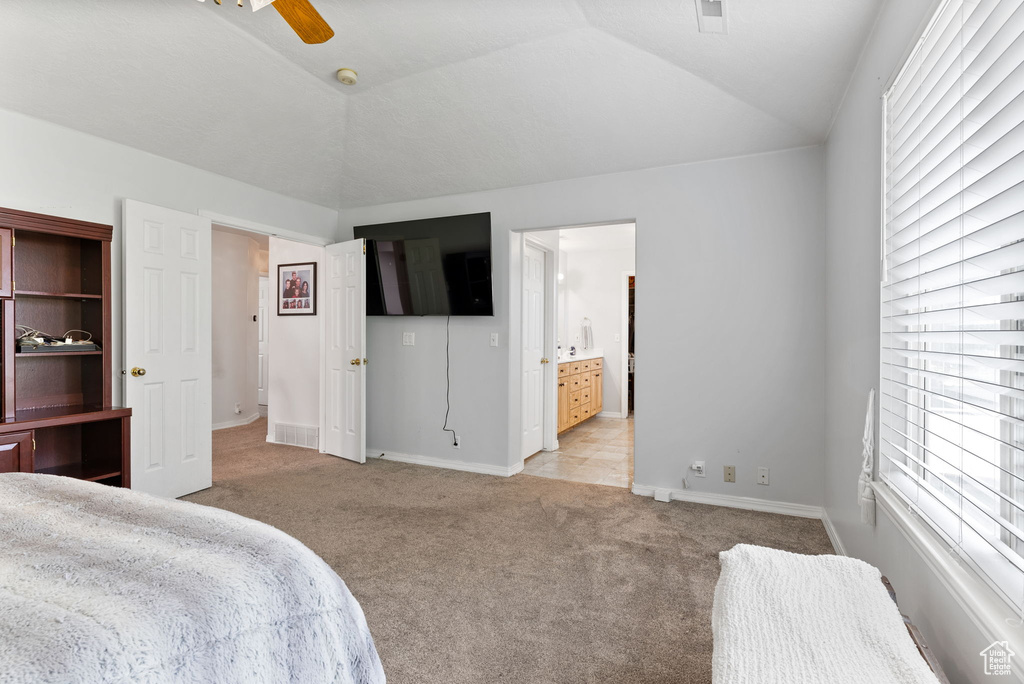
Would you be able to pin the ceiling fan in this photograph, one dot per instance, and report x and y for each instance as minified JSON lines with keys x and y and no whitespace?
{"x":300,"y":15}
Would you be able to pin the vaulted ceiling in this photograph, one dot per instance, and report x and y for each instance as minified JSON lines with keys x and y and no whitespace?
{"x":453,"y":95}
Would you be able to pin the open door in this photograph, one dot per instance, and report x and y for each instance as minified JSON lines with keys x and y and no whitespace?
{"x":167,"y":352}
{"x":534,"y":343}
{"x":345,"y":351}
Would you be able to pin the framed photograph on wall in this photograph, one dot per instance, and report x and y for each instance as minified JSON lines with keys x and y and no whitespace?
{"x":296,"y":289}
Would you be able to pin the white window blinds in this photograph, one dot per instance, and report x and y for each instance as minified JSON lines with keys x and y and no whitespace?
{"x":951,"y":435}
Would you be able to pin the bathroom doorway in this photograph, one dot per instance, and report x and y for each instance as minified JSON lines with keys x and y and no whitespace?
{"x":592,"y":364}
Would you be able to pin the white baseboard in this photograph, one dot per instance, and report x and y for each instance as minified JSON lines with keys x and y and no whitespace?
{"x":610,"y":414}
{"x":466,"y":466}
{"x":833,"y":534}
{"x":728,"y":501}
{"x":237,"y":422}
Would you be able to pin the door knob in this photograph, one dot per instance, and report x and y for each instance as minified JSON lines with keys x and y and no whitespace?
{"x":366,"y":361}
{"x":544,"y":360}
{"x":355,"y":362}
{"x":138,"y":372}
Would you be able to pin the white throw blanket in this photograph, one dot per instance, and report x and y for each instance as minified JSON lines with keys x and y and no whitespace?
{"x":865,"y":494}
{"x":784,"y":618}
{"x":99,"y":584}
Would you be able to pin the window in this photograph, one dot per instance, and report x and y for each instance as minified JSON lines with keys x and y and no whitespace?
{"x":951,"y":434}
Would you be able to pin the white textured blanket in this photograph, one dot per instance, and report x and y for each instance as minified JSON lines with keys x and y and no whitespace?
{"x":784,"y":618}
{"x":99,"y":584}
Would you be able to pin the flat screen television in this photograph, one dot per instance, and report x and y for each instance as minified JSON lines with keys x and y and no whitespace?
{"x":429,"y":267}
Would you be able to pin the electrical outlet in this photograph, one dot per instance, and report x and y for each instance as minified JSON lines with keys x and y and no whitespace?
{"x":457,"y":442}
{"x":238,"y":407}
{"x":494,"y":339}
{"x":730,"y":473}
{"x":698,"y":469}
{"x":762,"y":476}
{"x":409,"y":339}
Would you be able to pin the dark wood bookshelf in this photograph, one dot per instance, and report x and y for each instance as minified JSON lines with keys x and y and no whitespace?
{"x":65,"y":295}
{"x":42,"y":355}
{"x":57,"y":416}
{"x":92,"y":473}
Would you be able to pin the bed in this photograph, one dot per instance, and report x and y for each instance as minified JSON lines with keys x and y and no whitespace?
{"x":100,"y":584}
{"x":785,"y":618}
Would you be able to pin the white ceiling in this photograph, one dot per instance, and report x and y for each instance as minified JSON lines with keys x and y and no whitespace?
{"x":453,"y":95}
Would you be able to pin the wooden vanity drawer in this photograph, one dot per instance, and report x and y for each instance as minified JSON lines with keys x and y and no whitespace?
{"x":585,"y":395}
{"x":596,"y":363}
{"x":575,"y":368}
{"x":574,"y":415}
{"x":574,"y":382}
{"x":563,"y":370}
{"x":584,"y":411}
{"x":585,"y":365}
{"x":575,"y":398}
{"x":585,"y":379}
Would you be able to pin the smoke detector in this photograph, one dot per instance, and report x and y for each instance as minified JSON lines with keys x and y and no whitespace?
{"x":348,"y":76}
{"x":711,"y":16}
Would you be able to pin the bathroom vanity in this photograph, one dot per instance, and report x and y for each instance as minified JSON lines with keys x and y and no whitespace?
{"x":580,"y":390}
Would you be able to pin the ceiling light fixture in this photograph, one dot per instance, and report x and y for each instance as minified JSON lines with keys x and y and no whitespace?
{"x":300,"y":15}
{"x":348,"y":76}
{"x":711,"y":16}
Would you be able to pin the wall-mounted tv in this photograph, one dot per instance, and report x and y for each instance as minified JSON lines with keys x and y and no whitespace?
{"x":429,"y":267}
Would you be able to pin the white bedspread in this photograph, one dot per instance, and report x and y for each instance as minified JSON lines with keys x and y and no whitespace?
{"x":790,"y":619}
{"x":99,"y":584}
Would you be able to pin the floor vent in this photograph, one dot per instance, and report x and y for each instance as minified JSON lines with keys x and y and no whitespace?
{"x":297,"y":435}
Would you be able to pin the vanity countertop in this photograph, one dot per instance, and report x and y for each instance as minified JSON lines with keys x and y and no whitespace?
{"x":583,"y":355}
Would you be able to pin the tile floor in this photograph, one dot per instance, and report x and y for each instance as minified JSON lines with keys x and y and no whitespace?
{"x":599,"y":451}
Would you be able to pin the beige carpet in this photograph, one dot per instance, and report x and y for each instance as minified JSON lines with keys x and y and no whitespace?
{"x":477,"y":579}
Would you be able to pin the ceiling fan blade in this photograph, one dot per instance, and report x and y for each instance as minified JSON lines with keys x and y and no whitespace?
{"x":304,"y":20}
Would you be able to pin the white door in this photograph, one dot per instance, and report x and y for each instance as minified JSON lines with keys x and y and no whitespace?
{"x":345,"y":351}
{"x":533,"y":350}
{"x":263,"y":349}
{"x":426,"y":277}
{"x":167,"y":348}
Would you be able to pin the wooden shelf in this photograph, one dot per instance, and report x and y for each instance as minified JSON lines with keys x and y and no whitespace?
{"x":61,"y":295}
{"x":91,"y":473}
{"x":29,"y":419}
{"x":26,"y":355}
{"x":56,"y":417}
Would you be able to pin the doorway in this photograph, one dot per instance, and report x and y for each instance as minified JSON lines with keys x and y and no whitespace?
{"x":168,"y":283}
{"x":590,"y":378}
{"x":263,"y":346}
{"x":239,"y":300}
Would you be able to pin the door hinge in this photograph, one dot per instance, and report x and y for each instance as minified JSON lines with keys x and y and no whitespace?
{"x":33,"y":444}
{"x":364,"y":246}
{"x":12,"y":240}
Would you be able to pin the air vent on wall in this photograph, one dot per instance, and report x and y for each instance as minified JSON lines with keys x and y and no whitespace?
{"x":298,"y":435}
{"x":711,"y":16}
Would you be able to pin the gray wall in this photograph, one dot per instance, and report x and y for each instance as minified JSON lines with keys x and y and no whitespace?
{"x":853,"y":190}
{"x":730,"y":318}
{"x":54,"y":170}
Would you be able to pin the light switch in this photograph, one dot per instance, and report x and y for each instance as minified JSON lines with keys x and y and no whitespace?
{"x":494,"y":339}
{"x":409,"y":339}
